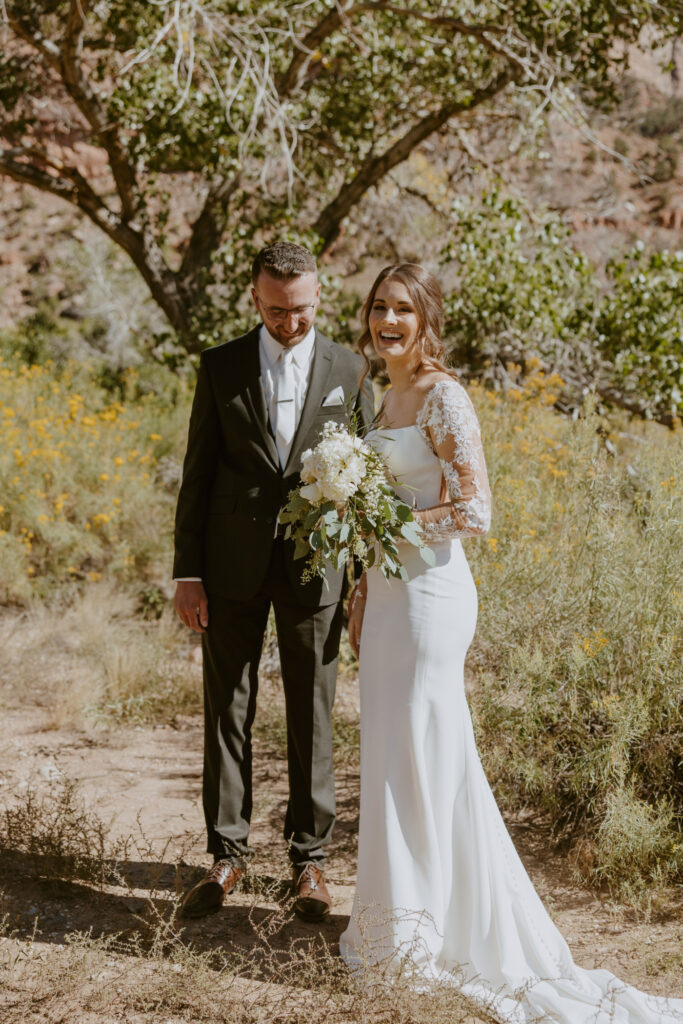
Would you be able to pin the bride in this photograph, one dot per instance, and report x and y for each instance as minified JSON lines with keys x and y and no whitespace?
{"x":440,"y":888}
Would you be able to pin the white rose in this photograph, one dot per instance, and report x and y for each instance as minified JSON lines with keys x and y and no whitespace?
{"x":308,"y":466}
{"x":312,"y":492}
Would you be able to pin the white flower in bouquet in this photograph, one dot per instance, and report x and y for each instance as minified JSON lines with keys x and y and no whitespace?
{"x":333,"y":470}
{"x":346,"y":506}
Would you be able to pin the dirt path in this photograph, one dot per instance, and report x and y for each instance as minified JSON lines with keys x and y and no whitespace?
{"x":145,"y":783}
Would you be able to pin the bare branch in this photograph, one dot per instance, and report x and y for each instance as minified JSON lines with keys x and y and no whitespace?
{"x":375,"y":167}
{"x":18,"y":162}
{"x":139,"y":244}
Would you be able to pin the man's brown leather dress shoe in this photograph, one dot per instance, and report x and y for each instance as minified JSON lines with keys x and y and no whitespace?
{"x":207,"y":895}
{"x":312,"y":898}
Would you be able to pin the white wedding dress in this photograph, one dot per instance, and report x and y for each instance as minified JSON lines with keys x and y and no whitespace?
{"x":440,"y":886}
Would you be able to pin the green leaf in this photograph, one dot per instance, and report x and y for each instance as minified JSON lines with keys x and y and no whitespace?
{"x":427,"y":555}
{"x":316,"y":540}
{"x":301,"y":548}
{"x":411,"y":533}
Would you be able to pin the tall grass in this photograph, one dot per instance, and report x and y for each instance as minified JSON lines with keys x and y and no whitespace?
{"x":96,"y":659}
{"x":579,"y":691}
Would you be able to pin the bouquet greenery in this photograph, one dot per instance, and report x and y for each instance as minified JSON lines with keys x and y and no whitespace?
{"x":346,"y":507}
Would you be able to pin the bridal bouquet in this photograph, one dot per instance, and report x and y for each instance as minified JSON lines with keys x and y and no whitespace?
{"x":346,"y":506}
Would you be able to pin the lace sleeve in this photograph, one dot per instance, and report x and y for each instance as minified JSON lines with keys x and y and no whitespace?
{"x":449,"y":425}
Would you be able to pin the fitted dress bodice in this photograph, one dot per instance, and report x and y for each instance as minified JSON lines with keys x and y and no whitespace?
{"x":414,"y":466}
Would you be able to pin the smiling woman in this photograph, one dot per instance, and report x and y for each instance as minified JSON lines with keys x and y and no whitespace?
{"x":441,"y":893}
{"x":404,"y":311}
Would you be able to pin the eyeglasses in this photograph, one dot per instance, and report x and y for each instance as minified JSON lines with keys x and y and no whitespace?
{"x":280,"y":315}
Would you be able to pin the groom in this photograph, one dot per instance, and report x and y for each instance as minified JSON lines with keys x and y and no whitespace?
{"x":260,"y":401}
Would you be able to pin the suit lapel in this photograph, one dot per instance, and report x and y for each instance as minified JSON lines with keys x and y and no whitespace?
{"x":323,"y":359}
{"x":255,"y":399}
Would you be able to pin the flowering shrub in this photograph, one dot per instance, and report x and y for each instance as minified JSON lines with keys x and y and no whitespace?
{"x":79,"y":480}
{"x":576,"y":662}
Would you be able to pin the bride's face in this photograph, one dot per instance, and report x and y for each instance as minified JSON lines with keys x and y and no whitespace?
{"x":393,"y":321}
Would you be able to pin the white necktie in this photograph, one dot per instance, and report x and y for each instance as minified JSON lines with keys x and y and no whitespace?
{"x":285,"y":405}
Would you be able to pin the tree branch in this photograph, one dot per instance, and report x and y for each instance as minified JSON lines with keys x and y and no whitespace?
{"x":334,"y":19}
{"x":46,"y":47}
{"x":84,"y":97}
{"x":375,"y":167}
{"x":67,"y":183}
{"x":292,"y":77}
{"x":207,"y":232}
{"x":631,"y":404}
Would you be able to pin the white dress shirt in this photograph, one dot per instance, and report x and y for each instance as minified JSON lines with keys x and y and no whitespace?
{"x":269,"y":351}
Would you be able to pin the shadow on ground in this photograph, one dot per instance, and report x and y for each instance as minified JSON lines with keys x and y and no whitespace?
{"x":136,"y":907}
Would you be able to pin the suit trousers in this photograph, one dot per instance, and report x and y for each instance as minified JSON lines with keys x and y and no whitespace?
{"x":308,"y":640}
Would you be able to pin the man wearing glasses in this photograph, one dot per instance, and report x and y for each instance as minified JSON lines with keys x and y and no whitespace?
{"x":260,"y":402}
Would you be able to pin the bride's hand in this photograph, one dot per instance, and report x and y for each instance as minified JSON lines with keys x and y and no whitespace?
{"x":356,"y":611}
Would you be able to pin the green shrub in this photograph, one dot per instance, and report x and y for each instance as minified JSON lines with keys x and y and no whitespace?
{"x":578,"y":690}
{"x":81,"y":476}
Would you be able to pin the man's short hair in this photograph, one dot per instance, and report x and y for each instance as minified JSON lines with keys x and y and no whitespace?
{"x":283,"y":261}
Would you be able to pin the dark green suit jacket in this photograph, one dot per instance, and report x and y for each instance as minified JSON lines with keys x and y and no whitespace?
{"x":233,"y":485}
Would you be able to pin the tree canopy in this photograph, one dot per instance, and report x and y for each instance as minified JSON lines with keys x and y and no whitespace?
{"x":219,"y":125}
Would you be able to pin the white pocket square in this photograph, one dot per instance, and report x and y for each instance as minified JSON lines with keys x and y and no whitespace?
{"x":335,"y":397}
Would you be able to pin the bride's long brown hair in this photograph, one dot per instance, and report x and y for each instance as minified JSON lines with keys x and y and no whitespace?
{"x":425,"y":294}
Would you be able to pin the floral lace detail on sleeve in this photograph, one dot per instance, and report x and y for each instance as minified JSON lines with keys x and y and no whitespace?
{"x":448,"y":423}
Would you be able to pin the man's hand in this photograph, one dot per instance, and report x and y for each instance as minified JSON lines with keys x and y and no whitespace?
{"x":192,"y":605}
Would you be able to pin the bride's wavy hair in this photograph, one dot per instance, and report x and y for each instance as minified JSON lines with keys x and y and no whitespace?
{"x":425,"y":294}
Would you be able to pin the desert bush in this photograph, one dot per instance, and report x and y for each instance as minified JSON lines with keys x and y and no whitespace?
{"x":518,"y":282}
{"x":639,"y":326}
{"x":524,"y":292}
{"x":578,"y":693}
{"x":80,"y":473}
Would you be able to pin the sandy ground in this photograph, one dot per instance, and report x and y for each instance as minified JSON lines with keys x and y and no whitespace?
{"x":145,"y":783}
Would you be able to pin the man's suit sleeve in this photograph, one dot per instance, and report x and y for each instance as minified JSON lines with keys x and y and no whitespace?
{"x":199,"y":470}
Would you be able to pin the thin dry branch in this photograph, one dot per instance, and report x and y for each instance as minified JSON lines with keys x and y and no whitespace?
{"x":199,"y":34}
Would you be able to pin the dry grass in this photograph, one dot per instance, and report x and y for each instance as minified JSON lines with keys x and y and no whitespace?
{"x":98,"y":658}
{"x":146,"y":969}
